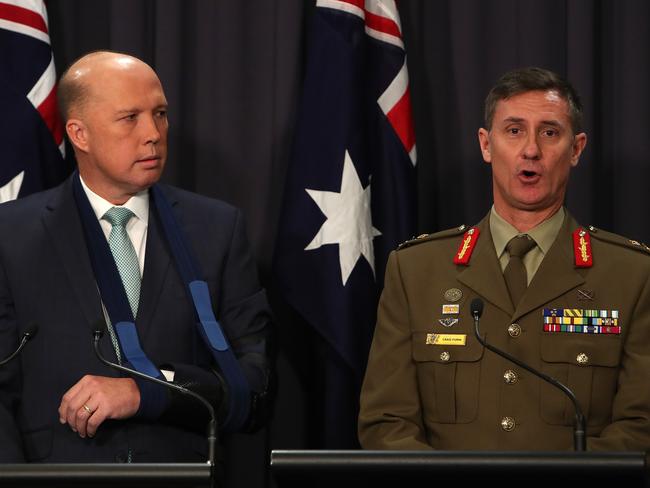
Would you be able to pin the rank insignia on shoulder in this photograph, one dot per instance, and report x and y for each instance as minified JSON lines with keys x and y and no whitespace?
{"x":412,"y":240}
{"x":618,"y":240}
{"x":582,"y":249}
{"x":466,"y":246}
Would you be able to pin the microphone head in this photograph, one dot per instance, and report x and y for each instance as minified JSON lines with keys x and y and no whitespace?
{"x":98,"y":328}
{"x":30,"y":330}
{"x":476,"y":308}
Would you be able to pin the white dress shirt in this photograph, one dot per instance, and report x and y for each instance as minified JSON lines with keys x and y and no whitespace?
{"x":136,"y":228}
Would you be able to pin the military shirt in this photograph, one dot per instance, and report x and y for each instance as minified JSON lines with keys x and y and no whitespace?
{"x":544,"y":235}
{"x":430,"y":384}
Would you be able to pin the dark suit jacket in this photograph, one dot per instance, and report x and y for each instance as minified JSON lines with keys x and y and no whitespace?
{"x":46,"y":278}
{"x":418,"y":395}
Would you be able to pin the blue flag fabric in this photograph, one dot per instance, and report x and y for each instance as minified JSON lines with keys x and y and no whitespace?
{"x":31,"y":135}
{"x":350,"y":189}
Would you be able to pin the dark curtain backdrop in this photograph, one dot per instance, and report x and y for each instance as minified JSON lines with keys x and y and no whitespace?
{"x":458,"y":48}
{"x":232,"y":73}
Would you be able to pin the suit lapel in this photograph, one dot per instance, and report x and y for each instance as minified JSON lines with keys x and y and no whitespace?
{"x":62,"y":221}
{"x":484,"y":275}
{"x":156,"y":266}
{"x":556,"y":274}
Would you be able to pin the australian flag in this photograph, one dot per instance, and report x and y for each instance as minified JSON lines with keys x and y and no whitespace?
{"x":350,"y":192}
{"x":31,"y":133}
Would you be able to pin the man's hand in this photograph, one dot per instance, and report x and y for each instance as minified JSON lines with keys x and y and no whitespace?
{"x":94,"y":399}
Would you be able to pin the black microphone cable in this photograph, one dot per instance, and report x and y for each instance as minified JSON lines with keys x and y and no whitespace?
{"x":579,"y":439}
{"x":212,"y":425}
{"x":29,"y":334}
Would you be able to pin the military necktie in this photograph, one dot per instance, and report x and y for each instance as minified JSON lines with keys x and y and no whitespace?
{"x":124,"y":254}
{"x":515,"y":272}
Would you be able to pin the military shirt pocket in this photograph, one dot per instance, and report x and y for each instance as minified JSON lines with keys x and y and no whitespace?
{"x":588,"y":365}
{"x":448,"y":379}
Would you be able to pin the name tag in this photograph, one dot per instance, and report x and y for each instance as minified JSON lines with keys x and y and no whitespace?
{"x":446,"y":339}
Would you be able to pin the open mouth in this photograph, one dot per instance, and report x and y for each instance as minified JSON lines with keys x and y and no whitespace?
{"x":529,"y":176}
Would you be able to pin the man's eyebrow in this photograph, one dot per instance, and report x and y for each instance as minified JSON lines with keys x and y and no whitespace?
{"x":138,"y":110}
{"x":551,"y":122}
{"x":127,"y":110}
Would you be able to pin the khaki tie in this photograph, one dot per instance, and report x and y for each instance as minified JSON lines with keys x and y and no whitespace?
{"x":515,"y":272}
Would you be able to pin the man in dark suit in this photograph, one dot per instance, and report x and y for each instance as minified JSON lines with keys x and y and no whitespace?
{"x":58,"y":403}
{"x":571,"y":301}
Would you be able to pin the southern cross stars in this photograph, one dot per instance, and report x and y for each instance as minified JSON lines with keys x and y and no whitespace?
{"x":10,"y":190}
{"x":349,"y":222}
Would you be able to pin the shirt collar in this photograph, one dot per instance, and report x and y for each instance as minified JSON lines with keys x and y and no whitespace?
{"x":544,"y":233}
{"x":138,"y":203}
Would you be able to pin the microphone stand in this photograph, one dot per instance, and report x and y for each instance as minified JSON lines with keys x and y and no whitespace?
{"x":212,"y":425}
{"x":579,"y":439}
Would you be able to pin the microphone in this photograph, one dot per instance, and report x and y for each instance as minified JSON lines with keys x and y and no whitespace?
{"x":29,"y":333}
{"x":579,"y":428}
{"x":98,"y":332}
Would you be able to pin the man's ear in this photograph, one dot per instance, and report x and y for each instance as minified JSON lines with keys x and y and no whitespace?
{"x":579,"y":143}
{"x":484,"y":142}
{"x":77,"y":133}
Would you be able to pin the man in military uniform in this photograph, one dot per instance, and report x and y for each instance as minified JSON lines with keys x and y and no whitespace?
{"x":571,"y":301}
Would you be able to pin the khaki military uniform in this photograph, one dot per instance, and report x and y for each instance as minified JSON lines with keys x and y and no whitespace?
{"x":422,"y":393}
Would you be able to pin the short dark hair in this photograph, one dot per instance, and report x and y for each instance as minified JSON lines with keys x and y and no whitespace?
{"x":523,"y":80}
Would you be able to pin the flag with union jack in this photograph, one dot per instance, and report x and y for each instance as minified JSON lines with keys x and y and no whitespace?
{"x":31,"y":133}
{"x":350,"y":191}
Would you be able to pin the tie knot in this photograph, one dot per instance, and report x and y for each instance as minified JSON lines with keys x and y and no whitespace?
{"x":118,"y":216}
{"x":518,"y":246}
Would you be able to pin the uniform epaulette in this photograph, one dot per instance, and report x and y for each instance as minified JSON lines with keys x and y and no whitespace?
{"x":603,"y":235}
{"x":430,"y":237}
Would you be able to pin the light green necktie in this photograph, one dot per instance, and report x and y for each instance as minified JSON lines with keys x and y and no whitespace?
{"x":124,"y":254}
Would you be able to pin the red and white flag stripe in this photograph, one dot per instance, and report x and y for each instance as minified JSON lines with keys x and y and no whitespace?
{"x":29,"y":17}
{"x":383,"y":23}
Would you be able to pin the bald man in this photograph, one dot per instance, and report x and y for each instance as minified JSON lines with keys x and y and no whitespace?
{"x":97,"y":249}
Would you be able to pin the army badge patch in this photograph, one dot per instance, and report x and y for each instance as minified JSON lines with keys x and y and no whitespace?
{"x":453,"y":295}
{"x":448,"y":321}
{"x":450,"y":308}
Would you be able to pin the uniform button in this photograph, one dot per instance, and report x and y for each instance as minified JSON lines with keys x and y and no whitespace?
{"x":508,"y":424}
{"x":120,"y":457}
{"x":514,"y":330}
{"x":445,"y":356}
{"x":582,"y":359}
{"x":510,"y":377}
